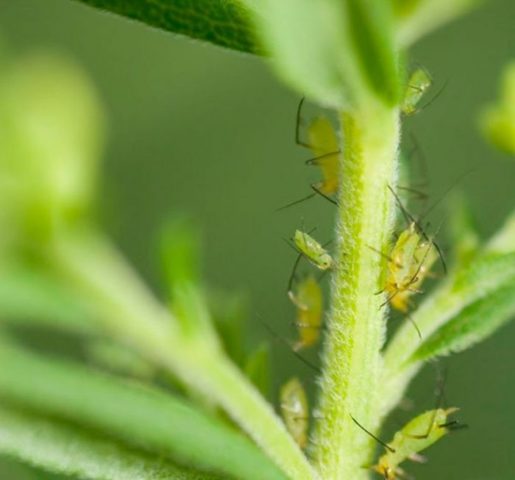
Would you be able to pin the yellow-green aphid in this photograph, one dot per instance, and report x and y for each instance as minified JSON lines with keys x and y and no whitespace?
{"x":418,"y":84}
{"x":417,"y":435}
{"x":294,"y":409}
{"x":325,"y":147}
{"x":307,"y":297}
{"x":312,"y":250}
{"x":409,"y":263}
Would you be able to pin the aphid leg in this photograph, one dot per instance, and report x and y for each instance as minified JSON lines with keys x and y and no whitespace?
{"x":419,"y":194}
{"x":378,"y":440}
{"x":278,"y":337}
{"x":410,"y":318}
{"x":400,"y":473}
{"x":417,"y":458}
{"x":435,"y":97}
{"x":316,"y":160}
{"x":298,"y":122}
{"x":319,"y":192}
{"x":407,"y":216}
{"x":389,"y":299}
{"x":296,"y":202}
{"x":385,"y":256}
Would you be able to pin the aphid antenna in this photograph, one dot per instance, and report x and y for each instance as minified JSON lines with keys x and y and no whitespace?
{"x":296,"y":202}
{"x":377,"y":439}
{"x":386,"y":257}
{"x":421,"y":157}
{"x":278,"y":337}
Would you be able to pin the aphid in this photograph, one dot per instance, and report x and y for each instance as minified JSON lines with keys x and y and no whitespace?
{"x":326,"y":150}
{"x":418,"y":84}
{"x":323,"y":142}
{"x":307,"y":297}
{"x":308,"y":247}
{"x":417,"y":435}
{"x":409,"y":262}
{"x":294,"y":410}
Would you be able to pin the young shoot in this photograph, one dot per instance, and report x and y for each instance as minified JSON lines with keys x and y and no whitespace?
{"x":294,"y":410}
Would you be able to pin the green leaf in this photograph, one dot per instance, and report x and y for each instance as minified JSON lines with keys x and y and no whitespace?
{"x":473,"y":324}
{"x":337,"y":52}
{"x":465,"y":239}
{"x":257,"y":368}
{"x":417,"y":18}
{"x":31,"y":296}
{"x":142,"y":417}
{"x":61,"y":448}
{"x":221,"y":22}
{"x":497,"y":121}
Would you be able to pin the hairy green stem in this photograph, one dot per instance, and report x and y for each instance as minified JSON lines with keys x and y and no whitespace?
{"x":356,"y":328}
{"x":129,"y":312}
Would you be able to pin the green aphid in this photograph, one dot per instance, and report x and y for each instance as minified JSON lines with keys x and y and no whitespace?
{"x":419,"y":82}
{"x":417,"y":435}
{"x":294,"y":410}
{"x":312,"y":250}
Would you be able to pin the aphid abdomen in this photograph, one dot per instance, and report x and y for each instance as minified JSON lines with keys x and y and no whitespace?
{"x":294,"y":409}
{"x":308,"y":299}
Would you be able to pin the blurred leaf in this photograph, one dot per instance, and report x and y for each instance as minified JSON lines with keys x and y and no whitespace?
{"x":64,"y":449}
{"x":222,"y":22}
{"x":465,"y":239}
{"x":52,"y":136}
{"x":471,"y":325}
{"x":257,"y":368}
{"x":119,"y":359}
{"x":417,"y":18}
{"x":497,"y":121}
{"x":142,"y":417}
{"x":179,"y":244}
{"x":337,"y":52}
{"x":229,"y":312}
{"x":30,"y":296}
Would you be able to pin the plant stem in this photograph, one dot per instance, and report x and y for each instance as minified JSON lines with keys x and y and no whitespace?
{"x":130,"y":313}
{"x":356,"y":329}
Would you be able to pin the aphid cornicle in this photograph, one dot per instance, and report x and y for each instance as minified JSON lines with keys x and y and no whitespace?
{"x":307,"y":297}
{"x":308,"y":247}
{"x":417,"y":435}
{"x":294,"y":410}
{"x":419,"y":82}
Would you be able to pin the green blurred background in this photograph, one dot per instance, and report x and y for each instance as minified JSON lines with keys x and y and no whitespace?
{"x":196,"y":129}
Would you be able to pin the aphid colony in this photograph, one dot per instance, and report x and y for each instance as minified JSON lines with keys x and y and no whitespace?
{"x":408,"y":263}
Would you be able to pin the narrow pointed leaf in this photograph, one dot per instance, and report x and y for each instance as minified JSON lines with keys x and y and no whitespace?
{"x":221,"y":22}
{"x":140,"y":416}
{"x":472,"y":325}
{"x":60,"y":448}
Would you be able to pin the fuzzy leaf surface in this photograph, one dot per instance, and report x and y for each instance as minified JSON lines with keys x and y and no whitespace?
{"x":221,"y":22}
{"x":64,"y":449}
{"x":140,"y":416}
